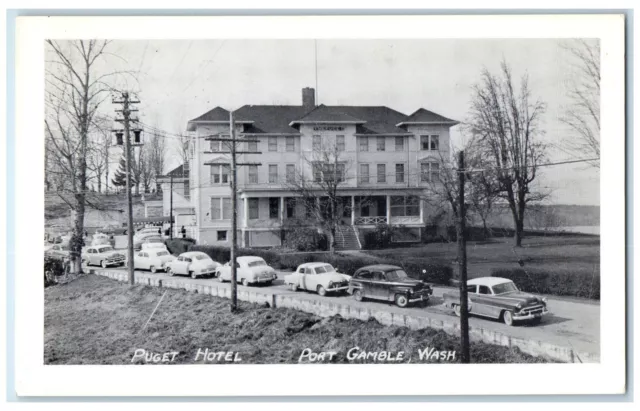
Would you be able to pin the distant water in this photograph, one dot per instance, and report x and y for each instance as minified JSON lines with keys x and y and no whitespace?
{"x":583,"y":229}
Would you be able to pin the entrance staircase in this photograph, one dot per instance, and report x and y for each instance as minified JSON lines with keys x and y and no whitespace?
{"x":347,"y":238}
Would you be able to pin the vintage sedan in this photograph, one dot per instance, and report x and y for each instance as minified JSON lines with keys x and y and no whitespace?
{"x":154,"y":246}
{"x":146,"y":238}
{"x":100,"y":239}
{"x":192,"y":263}
{"x":499,"y":298}
{"x":58,"y":251}
{"x":114,"y":229}
{"x":388,"y":283}
{"x":103,"y":255}
{"x":249,"y":270}
{"x":152,"y":259}
{"x":319,"y":277}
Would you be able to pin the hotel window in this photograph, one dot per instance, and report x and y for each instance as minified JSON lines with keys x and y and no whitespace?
{"x":274,"y":207}
{"x":252,"y":146}
{"x":222,"y":236}
{"x":317,"y":143}
{"x":400,"y":173}
{"x":291,"y":173}
{"x":317,"y":172}
{"x":290,"y":204}
{"x":364,"y":173}
{"x":214,"y":145}
{"x":254,"y":204}
{"x":382,"y":173}
{"x":380,"y":144}
{"x":186,"y":189}
{"x":253,"y":174}
{"x":290,"y":143}
{"x":399,"y":143}
{"x":405,"y":206}
{"x":340,"y":143}
{"x":363,"y":144}
{"x":273,"y":143}
{"x":220,"y":208}
{"x":340,"y":171}
{"x":431,"y":143}
{"x":273,"y":173}
{"x":429,"y":171}
{"x":219,"y":174}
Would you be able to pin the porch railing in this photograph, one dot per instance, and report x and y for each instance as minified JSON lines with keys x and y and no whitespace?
{"x":371,"y":220}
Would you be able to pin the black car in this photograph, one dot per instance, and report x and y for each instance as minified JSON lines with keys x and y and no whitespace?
{"x":388,"y":283}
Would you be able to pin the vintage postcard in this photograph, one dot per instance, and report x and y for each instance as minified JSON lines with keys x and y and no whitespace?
{"x":234,"y":199}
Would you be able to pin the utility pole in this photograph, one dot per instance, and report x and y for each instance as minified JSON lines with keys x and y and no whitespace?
{"x":171,"y":206}
{"x":233,"y":141}
{"x":126,"y":120}
{"x":462,"y":261}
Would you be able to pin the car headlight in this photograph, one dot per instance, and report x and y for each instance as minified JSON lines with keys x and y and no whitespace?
{"x":330,"y":285}
{"x":544,"y":300}
{"x":519,"y":306}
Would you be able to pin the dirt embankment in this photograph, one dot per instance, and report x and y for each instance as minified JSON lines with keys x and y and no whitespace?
{"x":94,"y":320}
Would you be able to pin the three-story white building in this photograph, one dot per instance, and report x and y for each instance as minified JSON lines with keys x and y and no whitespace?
{"x":384,"y":156}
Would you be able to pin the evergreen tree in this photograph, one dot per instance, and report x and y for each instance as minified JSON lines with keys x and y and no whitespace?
{"x":119,"y":179}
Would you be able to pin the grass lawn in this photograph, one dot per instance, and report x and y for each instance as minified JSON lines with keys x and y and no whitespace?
{"x":94,"y":320}
{"x":569,"y":253}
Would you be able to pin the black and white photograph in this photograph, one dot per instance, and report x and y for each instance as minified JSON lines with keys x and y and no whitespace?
{"x":379,"y":200}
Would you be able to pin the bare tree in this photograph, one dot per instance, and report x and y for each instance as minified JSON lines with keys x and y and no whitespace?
{"x":98,"y":157}
{"x":157,"y":156}
{"x":319,"y":192}
{"x":505,"y":123}
{"x":583,"y":115}
{"x":74,"y":93}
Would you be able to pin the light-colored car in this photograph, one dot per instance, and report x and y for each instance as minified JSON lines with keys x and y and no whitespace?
{"x":319,"y":277}
{"x":152,"y":259}
{"x":100,"y":239}
{"x":249,"y":270}
{"x":192,"y":263}
{"x":103,"y":255}
{"x":58,"y":251}
{"x":146,"y":238}
{"x":154,"y":246}
{"x":499,"y":298}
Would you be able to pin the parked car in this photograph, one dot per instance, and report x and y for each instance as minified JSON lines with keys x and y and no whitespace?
{"x":100,"y":239}
{"x":192,"y":263}
{"x":146,"y":238}
{"x":103,"y":255}
{"x":152,"y":259}
{"x":114,"y":229}
{"x":319,"y":277}
{"x":249,"y":270}
{"x":388,"y":283}
{"x":499,"y":298}
{"x":58,"y":251}
{"x":154,"y":246}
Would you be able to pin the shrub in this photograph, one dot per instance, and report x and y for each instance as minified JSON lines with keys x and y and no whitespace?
{"x":179,"y":245}
{"x":304,"y":239}
{"x":380,"y":237}
{"x":53,"y":268}
{"x":577,"y":284}
{"x":433,"y":272}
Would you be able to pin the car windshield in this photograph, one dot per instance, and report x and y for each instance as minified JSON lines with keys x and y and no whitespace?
{"x":161,"y":253}
{"x":504,"y":288}
{"x":256,"y":263}
{"x":104,"y":249}
{"x":396,"y":275}
{"x":325,"y":269}
{"x":202,"y":257}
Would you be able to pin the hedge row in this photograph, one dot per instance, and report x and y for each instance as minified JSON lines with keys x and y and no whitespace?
{"x":348,"y":264}
{"x":577,"y":284}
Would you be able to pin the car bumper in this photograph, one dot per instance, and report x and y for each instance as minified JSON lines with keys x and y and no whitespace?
{"x":339,"y":288}
{"x":115,"y":262}
{"x":263,"y":280}
{"x":530,"y":315}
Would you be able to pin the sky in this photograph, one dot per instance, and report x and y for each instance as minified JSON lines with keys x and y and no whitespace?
{"x":178,"y":80}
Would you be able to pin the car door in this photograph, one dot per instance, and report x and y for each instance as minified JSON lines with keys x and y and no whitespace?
{"x":364,"y":280}
{"x":483,"y":303}
{"x":138,"y":260}
{"x":379,"y":286}
{"x":310,"y":279}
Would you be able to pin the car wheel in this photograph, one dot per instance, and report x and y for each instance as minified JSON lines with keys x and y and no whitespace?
{"x":293,"y":287}
{"x":402,"y":300}
{"x":357,"y":294}
{"x":245,"y":282}
{"x":507,"y":317}
{"x":153,"y":269}
{"x":321,"y":291}
{"x":170,"y":271}
{"x":103,"y":263}
{"x":193,"y":275}
{"x":456,"y":309}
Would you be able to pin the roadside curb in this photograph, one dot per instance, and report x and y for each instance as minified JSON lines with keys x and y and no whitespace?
{"x":330,"y":308}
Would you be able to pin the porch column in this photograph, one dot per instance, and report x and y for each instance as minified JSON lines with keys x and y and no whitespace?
{"x":246,"y":212}
{"x":388,"y":209}
{"x":281,"y":210}
{"x":421,"y":210}
{"x":353,"y":210}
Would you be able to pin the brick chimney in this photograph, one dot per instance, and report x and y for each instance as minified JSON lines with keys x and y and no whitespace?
{"x":308,"y":98}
